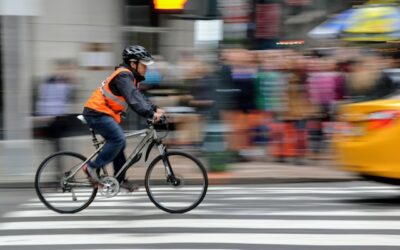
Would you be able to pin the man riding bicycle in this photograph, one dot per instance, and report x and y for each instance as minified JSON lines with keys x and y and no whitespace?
{"x":108,"y":103}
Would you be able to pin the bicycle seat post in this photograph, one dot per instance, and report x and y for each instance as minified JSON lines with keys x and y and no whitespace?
{"x":94,"y":139}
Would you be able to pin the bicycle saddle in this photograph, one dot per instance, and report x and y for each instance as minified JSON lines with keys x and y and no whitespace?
{"x":82,"y":119}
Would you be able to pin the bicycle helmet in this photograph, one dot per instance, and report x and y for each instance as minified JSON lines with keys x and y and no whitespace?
{"x":137,"y":53}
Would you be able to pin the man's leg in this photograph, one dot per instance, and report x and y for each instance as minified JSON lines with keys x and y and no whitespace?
{"x":109,"y":129}
{"x":119,"y":161}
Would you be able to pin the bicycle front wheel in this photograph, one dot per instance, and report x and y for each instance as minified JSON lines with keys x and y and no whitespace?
{"x":62,"y":196}
{"x":182,"y":194}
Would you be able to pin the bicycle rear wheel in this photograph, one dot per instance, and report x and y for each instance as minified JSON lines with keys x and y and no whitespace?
{"x":183,"y":195}
{"x":69,"y":197}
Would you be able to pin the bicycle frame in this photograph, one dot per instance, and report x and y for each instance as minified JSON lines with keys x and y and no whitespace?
{"x":150,"y":135}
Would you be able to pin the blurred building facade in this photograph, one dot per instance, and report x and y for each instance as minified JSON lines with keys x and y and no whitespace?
{"x":35,"y":33}
{"x":94,"y":31}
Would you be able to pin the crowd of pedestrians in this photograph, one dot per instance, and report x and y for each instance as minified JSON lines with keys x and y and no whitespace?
{"x":279,"y":103}
{"x":286,"y":101}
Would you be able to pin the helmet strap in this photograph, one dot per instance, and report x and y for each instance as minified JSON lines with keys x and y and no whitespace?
{"x":137,"y":65}
{"x":138,"y":77}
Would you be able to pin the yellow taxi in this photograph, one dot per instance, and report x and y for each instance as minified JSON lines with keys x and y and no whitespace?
{"x":368,"y":141}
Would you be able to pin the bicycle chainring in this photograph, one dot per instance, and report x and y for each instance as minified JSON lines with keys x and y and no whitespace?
{"x":109,"y":187}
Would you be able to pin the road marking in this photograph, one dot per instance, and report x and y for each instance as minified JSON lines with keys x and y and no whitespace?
{"x":283,"y":198}
{"x":267,"y":192}
{"x":244,"y":191}
{"x":206,"y":223}
{"x":250,"y":187}
{"x":134,"y":194}
{"x":250,"y":190}
{"x":117,"y":198}
{"x":123,"y":204}
{"x":200,"y":211}
{"x":120,"y":206}
{"x":85,"y":213}
{"x":208,"y":238}
{"x":249,"y":197}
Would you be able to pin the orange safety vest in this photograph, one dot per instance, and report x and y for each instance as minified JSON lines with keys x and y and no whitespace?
{"x":104,"y":101}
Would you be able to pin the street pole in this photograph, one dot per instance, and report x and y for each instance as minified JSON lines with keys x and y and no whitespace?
{"x":16,"y":77}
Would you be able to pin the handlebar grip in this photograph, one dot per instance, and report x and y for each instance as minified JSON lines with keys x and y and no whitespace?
{"x":163,"y":120}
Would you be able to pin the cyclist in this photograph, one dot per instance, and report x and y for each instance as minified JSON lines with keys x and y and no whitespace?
{"x":109,"y":102}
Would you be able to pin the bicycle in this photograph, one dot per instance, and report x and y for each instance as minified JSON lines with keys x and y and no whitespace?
{"x":62,"y":185}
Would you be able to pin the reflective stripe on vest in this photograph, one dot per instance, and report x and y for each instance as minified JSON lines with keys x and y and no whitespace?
{"x":113,"y":97}
{"x":103,"y":100}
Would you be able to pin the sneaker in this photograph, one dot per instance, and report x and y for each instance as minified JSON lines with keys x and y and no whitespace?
{"x":129,"y":186}
{"x":91,"y":173}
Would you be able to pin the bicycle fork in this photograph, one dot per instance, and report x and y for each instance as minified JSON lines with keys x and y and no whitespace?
{"x":171,"y":178}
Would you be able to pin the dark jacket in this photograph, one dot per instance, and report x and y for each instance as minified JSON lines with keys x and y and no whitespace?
{"x":123,"y":85}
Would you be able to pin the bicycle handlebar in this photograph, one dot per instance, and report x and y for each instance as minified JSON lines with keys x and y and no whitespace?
{"x":163,"y":121}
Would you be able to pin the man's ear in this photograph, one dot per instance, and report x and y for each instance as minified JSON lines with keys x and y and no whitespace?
{"x":132,"y":65}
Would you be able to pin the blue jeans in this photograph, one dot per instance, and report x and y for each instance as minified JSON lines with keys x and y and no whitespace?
{"x":113,"y":150}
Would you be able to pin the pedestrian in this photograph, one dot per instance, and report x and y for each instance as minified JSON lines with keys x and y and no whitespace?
{"x":54,"y":101}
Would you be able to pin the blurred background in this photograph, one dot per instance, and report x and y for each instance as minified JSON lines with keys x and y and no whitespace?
{"x":242,"y":80}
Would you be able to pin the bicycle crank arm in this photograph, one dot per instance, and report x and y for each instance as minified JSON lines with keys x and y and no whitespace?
{"x":73,"y":196}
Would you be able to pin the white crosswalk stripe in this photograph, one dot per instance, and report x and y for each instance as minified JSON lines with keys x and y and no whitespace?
{"x":206,"y":223}
{"x":246,"y":215}
{"x":265,"y":239}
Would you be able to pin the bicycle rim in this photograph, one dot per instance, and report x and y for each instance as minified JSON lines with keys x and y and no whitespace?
{"x":72,"y":197}
{"x":182,"y":197}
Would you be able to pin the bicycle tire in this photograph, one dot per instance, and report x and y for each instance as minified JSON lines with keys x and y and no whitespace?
{"x":202,"y":175}
{"x":47,"y":201}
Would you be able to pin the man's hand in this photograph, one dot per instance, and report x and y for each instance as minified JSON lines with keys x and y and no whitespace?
{"x":160,"y":111}
{"x":158,"y":114}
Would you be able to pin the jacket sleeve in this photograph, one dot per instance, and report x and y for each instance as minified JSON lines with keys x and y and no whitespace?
{"x":132,"y":95}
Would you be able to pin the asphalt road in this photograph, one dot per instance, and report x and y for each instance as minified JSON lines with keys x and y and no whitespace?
{"x":308,"y":216}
